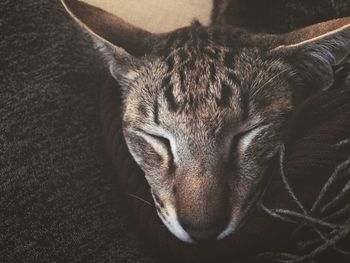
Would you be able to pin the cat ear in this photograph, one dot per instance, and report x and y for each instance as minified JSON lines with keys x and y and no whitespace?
{"x":120,"y":42}
{"x":316,"y":49}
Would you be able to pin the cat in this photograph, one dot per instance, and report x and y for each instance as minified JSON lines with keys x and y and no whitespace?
{"x":205,"y":108}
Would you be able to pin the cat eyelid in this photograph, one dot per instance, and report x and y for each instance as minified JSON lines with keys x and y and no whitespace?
{"x":245,"y":132}
{"x":246,"y":138}
{"x":250,"y":129}
{"x":252,"y":125}
{"x":160,"y":138}
{"x":160,"y":143}
{"x":153,"y":135}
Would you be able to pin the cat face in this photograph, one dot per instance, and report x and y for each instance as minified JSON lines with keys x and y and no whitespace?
{"x":205,"y":109}
{"x":203,"y":127}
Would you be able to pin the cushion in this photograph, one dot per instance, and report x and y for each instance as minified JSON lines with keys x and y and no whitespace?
{"x":58,"y":199}
{"x":309,"y":159}
{"x":164,"y":16}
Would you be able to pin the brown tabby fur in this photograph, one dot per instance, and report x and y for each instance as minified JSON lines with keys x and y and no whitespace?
{"x":205,"y":108}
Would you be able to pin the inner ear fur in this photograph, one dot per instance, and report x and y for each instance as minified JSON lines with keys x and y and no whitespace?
{"x":328,"y":42}
{"x":315,"y":50}
{"x":315,"y":33}
{"x":109,"y":29}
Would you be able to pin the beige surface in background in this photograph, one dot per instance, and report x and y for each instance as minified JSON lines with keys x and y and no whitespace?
{"x":158,"y":15}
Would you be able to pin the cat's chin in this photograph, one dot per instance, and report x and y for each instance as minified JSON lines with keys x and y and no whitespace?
{"x":180,"y":233}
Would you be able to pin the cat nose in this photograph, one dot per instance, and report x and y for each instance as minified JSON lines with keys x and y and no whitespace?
{"x":203,"y":234}
{"x":202,"y":204}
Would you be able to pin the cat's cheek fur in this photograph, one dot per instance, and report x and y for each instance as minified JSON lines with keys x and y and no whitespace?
{"x":167,"y":213}
{"x":171,"y":221}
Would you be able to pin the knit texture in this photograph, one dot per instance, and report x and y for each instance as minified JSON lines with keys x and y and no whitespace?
{"x":59,"y":201}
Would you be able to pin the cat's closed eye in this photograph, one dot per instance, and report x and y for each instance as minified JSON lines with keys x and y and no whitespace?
{"x":160,"y":140}
{"x":201,"y":82}
{"x":243,"y":138}
{"x":159,"y":143}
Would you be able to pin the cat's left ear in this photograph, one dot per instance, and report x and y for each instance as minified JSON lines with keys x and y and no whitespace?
{"x":120,"y":42}
{"x":314,"y":50}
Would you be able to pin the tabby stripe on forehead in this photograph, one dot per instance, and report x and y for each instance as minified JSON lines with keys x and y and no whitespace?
{"x":156,"y":112}
{"x":173,"y":106}
{"x":166,"y":81}
{"x":210,"y":53}
{"x":170,"y":63}
{"x":225,"y":96}
{"x":233,"y":78}
{"x":183,"y":56}
{"x":197,"y":80}
{"x":212,"y":71}
{"x":182,"y":80}
{"x":190,"y":64}
{"x":169,"y":95}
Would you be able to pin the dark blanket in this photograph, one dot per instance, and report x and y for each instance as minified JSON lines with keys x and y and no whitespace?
{"x":58,"y":199}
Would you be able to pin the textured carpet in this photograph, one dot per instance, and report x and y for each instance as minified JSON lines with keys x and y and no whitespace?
{"x":58,"y":199}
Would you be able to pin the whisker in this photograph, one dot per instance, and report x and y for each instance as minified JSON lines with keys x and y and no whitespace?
{"x":274,"y":77}
{"x":140,"y":199}
{"x":257,"y":80}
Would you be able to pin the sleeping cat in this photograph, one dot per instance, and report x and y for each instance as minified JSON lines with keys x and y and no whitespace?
{"x":205,"y":108}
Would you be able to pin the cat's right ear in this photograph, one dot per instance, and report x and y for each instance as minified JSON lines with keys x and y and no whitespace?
{"x":315,"y":50}
{"x":121,"y":43}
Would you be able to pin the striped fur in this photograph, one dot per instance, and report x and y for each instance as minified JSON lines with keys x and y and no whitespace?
{"x":205,"y":109}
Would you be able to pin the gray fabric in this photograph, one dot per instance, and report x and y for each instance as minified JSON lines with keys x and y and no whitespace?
{"x":58,"y":196}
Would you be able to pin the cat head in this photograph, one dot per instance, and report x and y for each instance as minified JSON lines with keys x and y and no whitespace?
{"x":205,"y":109}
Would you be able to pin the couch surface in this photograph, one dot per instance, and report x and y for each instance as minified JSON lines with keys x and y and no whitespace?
{"x":59,"y":201}
{"x":166,"y":15}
